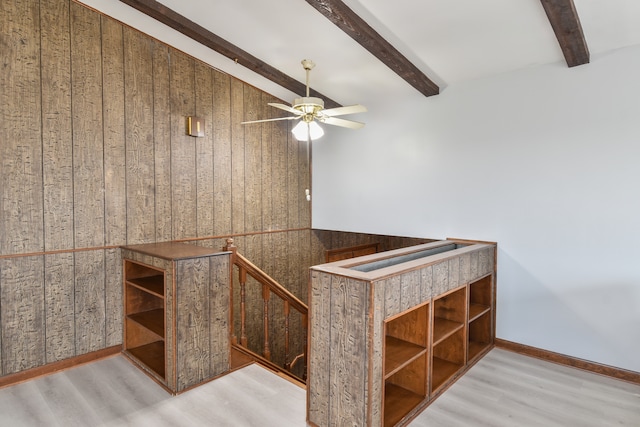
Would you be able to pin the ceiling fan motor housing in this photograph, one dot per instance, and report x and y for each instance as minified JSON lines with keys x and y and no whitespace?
{"x":309,"y":106}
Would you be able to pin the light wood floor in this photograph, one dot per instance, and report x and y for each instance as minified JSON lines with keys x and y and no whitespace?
{"x":503,"y":389}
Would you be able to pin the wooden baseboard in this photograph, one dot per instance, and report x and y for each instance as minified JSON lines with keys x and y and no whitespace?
{"x":61,"y":365}
{"x":585,"y":365}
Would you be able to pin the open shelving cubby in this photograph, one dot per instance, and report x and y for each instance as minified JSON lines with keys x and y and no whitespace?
{"x":449,"y":350}
{"x":144,"y":315}
{"x":480,"y":335}
{"x":405,"y":363}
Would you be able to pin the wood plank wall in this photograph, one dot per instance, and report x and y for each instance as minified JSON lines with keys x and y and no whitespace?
{"x":93,"y":155}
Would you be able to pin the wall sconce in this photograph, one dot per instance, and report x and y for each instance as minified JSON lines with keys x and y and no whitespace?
{"x":195,"y":126}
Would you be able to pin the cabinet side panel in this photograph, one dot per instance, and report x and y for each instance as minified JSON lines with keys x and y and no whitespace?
{"x":193,"y":282}
{"x":485,"y":261}
{"x":219,"y":315}
{"x":349,"y":346}
{"x":319,"y":348}
{"x":377,"y":361}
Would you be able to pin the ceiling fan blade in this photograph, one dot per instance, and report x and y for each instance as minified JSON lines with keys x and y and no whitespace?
{"x":342,"y":122}
{"x":269,"y":120}
{"x":286,"y":108}
{"x":349,"y":109}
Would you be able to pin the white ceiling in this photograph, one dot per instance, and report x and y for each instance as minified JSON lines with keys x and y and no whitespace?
{"x":450,"y":41}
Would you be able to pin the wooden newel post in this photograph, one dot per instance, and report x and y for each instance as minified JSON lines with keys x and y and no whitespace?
{"x":232,"y":248}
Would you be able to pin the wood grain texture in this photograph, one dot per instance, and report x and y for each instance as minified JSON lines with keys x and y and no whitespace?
{"x":59,"y":306}
{"x":237,"y":157}
{"x":219,"y":354}
{"x":293,"y":182}
{"x":89,"y":301}
{"x":138,"y":89}
{"x":114,"y":116}
{"x":22,"y":315}
{"x":87,"y":114}
{"x":57,"y":165}
{"x":441,"y":278}
{"x":349,"y":353}
{"x":318,"y":381}
{"x":162,"y":142}
{"x":183,"y":147}
{"x":253,"y":165}
{"x":21,"y":186}
{"x":95,"y":156}
{"x":204,"y":150}
{"x":222,"y":155}
{"x":192,"y":310}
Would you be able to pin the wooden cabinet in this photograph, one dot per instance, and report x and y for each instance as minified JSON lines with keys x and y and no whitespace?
{"x":389,"y":332}
{"x":176,"y":312}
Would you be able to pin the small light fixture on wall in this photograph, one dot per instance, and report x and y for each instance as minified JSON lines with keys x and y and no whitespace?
{"x":195,"y":126}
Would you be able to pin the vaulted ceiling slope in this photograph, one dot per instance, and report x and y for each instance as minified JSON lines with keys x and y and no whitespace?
{"x":364,"y":46}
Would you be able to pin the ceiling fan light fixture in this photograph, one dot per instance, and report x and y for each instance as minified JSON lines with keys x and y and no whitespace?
{"x":305,"y":130}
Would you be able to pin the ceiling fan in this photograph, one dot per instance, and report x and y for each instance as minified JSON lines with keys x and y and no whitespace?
{"x":310,"y":111}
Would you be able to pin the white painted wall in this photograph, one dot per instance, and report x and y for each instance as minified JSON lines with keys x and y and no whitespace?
{"x":545,"y":161}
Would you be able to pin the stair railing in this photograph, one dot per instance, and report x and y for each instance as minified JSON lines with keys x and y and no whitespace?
{"x":291,"y":302}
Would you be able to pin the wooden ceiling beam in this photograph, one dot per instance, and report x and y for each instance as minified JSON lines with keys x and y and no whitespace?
{"x":349,"y":22}
{"x":566,"y":25}
{"x":200,"y":34}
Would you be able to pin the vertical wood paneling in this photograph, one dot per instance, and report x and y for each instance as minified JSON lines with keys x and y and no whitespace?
{"x":57,"y":166}
{"x":304,"y":206}
{"x":193,"y":276}
{"x":95,"y":153}
{"x":138,"y":87}
{"x":89,"y":301}
{"x":162,"y":142}
{"x":279,"y":171}
{"x":60,"y":306}
{"x":113,"y":297}
{"x":426,"y":283}
{"x":237,"y":157}
{"x":204,"y":150}
{"x":392,"y":290}
{"x":411,"y":292}
{"x":219,"y":315}
{"x":318,"y":381}
{"x":183,"y":147}
{"x":253,"y":160}
{"x":348,"y":351}
{"x":465,"y":268}
{"x":454,"y":272}
{"x":22,"y":314}
{"x":441,"y":278}
{"x":222,"y":153}
{"x":114,"y":133}
{"x":21,"y":225}
{"x":267,"y":170}
{"x":292,"y":196}
{"x":88,"y":175}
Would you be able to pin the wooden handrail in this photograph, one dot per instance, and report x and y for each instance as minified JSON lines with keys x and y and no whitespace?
{"x":269,"y":287}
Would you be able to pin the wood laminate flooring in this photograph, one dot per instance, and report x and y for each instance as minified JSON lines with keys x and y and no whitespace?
{"x":503,"y":389}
